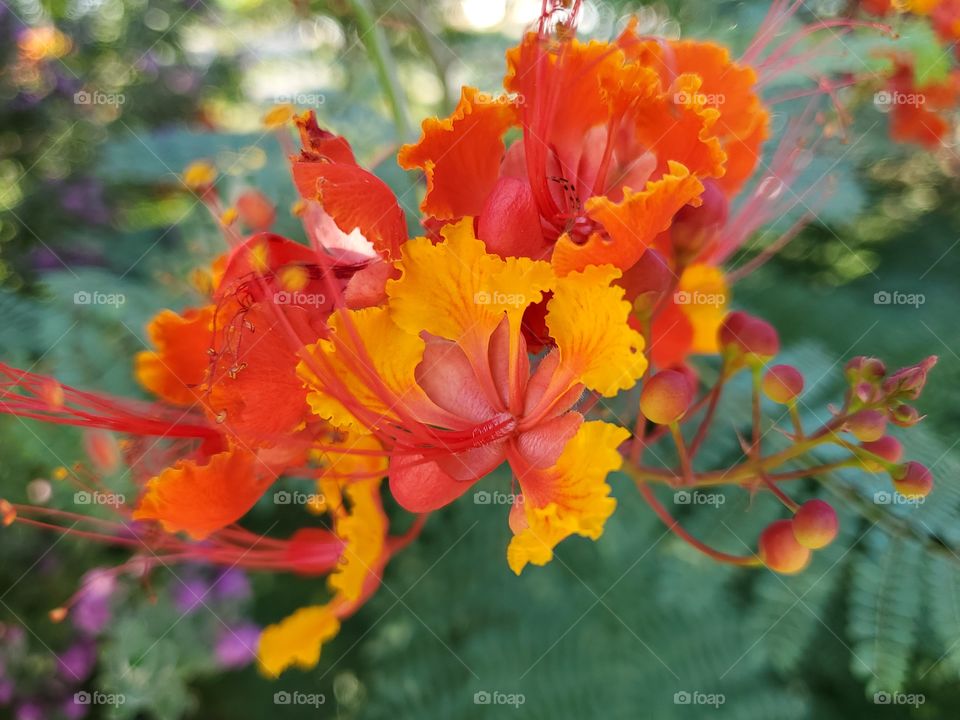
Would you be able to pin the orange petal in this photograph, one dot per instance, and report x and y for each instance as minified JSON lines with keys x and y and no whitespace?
{"x":200,"y":499}
{"x":460,"y":155}
{"x":632,"y":224}
{"x":297,"y":639}
{"x":177,"y":368}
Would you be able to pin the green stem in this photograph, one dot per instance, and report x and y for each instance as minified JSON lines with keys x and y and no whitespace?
{"x":375,"y":41}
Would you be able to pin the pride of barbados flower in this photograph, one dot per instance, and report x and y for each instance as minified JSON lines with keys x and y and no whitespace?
{"x":440,"y":374}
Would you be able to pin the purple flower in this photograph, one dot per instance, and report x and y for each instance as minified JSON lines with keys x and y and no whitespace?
{"x":232,"y":584}
{"x":76,"y":663}
{"x":72,"y":710}
{"x":29,"y":711}
{"x":237,"y":646}
{"x":92,"y":611}
{"x":6,"y":691}
{"x":190,"y":594}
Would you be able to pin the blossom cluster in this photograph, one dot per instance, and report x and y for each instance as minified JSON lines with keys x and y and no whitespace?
{"x":576,"y":235}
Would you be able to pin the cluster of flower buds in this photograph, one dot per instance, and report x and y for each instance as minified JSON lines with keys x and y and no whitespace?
{"x":748,"y":343}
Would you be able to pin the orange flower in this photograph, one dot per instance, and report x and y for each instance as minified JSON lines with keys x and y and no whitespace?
{"x":456,"y":395}
{"x":610,"y":150}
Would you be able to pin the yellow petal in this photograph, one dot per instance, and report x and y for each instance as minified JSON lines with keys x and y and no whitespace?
{"x":457,"y":291}
{"x":587,"y":317}
{"x":571,"y":497}
{"x":363,"y":531}
{"x":390,"y":353}
{"x":296,"y":640}
{"x":705,"y":291}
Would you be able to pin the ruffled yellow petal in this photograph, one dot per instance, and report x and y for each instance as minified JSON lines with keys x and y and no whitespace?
{"x":391,"y":353}
{"x":571,"y":497}
{"x":297,"y":639}
{"x":363,"y":531}
{"x":705,"y":290}
{"x":588,"y":318}
{"x":457,"y":291}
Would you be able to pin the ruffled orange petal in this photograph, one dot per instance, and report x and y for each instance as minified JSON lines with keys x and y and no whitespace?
{"x":570,"y":497}
{"x":714,"y":81}
{"x":631,"y":224}
{"x":564,"y":89}
{"x":326,"y":171}
{"x":175,"y":371}
{"x":200,"y":499}
{"x":460,"y":155}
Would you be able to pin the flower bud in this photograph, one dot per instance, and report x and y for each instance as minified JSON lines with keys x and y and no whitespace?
{"x":912,"y":480}
{"x":693,"y":228}
{"x":865,"y":368}
{"x":648,"y":281}
{"x":907,"y":383}
{"x":783,"y":384}
{"x":815,"y":524}
{"x":779,"y":549}
{"x":887,"y":447}
{"x":867,"y":425}
{"x":666,"y":397}
{"x":199,"y":176}
{"x":743,"y":334}
{"x":905,"y":416}
{"x":255,"y":210}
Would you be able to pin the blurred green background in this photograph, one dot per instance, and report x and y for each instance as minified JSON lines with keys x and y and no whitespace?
{"x":92,"y":138}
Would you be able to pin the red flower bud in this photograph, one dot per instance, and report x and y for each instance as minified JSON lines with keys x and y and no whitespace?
{"x":255,"y":210}
{"x":869,"y":369}
{"x":647,"y":281}
{"x":693,"y":228}
{"x":783,"y":384}
{"x":779,"y":549}
{"x":743,"y":334}
{"x":867,"y":425}
{"x":907,"y":383}
{"x":815,"y":524}
{"x":887,"y":447}
{"x":912,"y":480}
{"x":905,"y":416}
{"x":666,"y":396}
